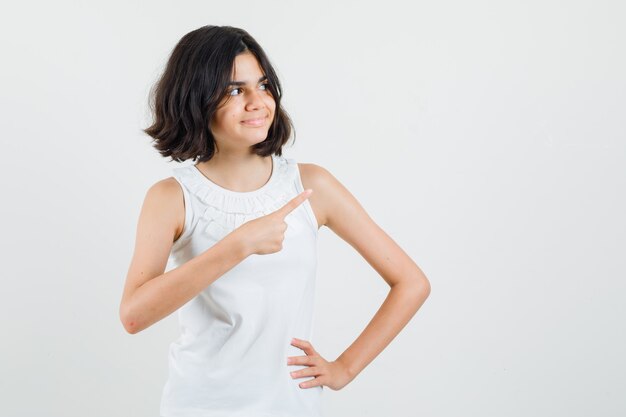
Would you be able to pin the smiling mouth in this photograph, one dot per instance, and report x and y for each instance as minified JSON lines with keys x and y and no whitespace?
{"x":254,"y":122}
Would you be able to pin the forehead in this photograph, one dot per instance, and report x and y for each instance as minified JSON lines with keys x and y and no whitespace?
{"x":246,"y":68}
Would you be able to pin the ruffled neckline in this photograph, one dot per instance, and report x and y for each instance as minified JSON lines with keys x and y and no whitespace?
{"x":225,"y":209}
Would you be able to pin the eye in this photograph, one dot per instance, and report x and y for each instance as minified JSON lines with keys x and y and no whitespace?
{"x":232,"y":90}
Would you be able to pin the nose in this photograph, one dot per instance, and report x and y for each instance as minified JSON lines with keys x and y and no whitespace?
{"x":254,"y":100}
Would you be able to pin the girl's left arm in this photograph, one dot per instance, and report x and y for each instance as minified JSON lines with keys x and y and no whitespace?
{"x":409,"y":287}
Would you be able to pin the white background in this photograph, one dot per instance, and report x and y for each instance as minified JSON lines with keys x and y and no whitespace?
{"x":488,"y":138}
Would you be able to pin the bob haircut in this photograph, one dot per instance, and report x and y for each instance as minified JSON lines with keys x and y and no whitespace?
{"x":194,"y":83}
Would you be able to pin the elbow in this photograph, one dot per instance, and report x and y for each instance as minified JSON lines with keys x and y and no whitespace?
{"x":416,"y":289}
{"x":425,"y":287}
{"x":415,"y":282}
{"x":421,"y":287}
{"x":130,"y":326}
{"x":130,"y":329}
{"x":129,"y":323}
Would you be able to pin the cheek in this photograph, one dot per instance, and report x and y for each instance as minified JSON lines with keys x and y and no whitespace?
{"x":271,"y":104}
{"x":222,"y":119}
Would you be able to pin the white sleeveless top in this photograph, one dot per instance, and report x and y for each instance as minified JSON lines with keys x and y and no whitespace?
{"x":231,"y":357}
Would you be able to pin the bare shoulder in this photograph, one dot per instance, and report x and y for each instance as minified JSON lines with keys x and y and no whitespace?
{"x":166,"y":196}
{"x":312,"y":176}
{"x":325,"y":188}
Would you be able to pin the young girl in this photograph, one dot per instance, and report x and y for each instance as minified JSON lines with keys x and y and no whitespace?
{"x":241,"y":232}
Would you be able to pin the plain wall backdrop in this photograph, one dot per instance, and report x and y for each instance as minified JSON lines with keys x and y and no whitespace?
{"x":487,"y":138}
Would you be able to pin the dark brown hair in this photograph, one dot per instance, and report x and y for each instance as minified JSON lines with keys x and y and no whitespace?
{"x":194,"y":82}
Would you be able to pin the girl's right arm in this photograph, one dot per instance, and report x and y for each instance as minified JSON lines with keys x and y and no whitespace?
{"x":149,"y":294}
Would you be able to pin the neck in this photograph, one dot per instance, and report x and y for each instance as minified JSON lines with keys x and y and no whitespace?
{"x":237,"y":172}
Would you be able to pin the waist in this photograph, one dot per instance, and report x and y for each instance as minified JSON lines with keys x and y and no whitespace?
{"x":245,"y":373}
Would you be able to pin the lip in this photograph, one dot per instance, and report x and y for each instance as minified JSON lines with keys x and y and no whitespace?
{"x":254,"y":122}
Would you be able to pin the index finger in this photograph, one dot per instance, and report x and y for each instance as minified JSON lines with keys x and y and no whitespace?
{"x":294,"y":203}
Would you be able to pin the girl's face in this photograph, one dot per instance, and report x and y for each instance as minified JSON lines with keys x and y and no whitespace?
{"x":245,"y":114}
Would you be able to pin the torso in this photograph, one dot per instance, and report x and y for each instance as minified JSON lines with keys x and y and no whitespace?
{"x":238,"y":328}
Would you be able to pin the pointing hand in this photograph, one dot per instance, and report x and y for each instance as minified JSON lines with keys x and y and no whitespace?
{"x":265,"y":234}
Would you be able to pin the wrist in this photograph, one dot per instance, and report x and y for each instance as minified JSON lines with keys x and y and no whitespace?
{"x":346,"y":366}
{"x":240,"y":242}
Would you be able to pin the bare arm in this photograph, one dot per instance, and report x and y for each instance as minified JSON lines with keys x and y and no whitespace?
{"x":149,"y":294}
{"x":409,"y":287}
{"x":161,"y":296}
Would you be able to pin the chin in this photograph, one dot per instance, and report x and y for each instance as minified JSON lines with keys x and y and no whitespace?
{"x":259,"y":134}
{"x":256,"y":139}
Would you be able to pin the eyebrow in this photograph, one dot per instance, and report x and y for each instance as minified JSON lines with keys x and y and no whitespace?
{"x":263,"y":78}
